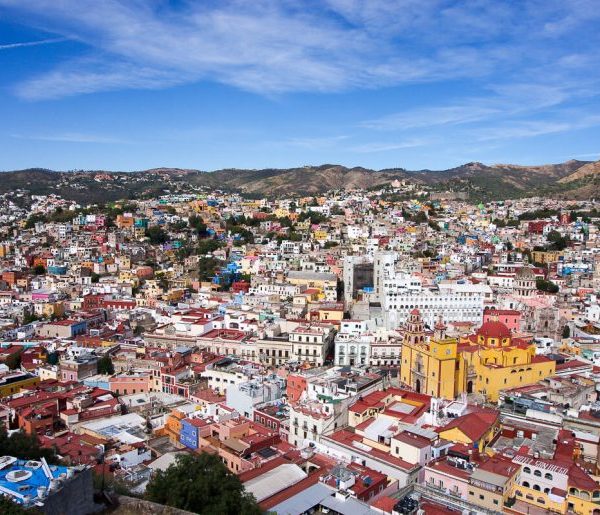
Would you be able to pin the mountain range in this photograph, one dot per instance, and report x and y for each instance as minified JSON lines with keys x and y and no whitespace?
{"x":571,"y":179}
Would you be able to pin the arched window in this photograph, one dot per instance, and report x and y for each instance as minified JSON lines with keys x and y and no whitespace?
{"x":526,"y":484}
{"x":527,"y":470}
{"x":537,"y":473}
{"x":536,"y":487}
{"x":547,"y":475}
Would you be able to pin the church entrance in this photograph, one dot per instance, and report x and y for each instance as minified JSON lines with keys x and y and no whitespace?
{"x":470,"y":387}
{"x":418,"y":386}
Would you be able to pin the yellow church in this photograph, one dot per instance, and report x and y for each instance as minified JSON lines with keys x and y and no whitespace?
{"x":486,"y":362}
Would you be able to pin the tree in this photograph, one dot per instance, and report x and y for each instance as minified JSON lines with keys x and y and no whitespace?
{"x":13,"y":361}
{"x":197,"y":223}
{"x":33,"y":219}
{"x":163,"y":282}
{"x":207,"y":268}
{"x":156,"y":234}
{"x":30,"y":317}
{"x":105,"y":365}
{"x":208,"y":246}
{"x":7,"y":507}
{"x":201,"y":484}
{"x":24,"y":446}
{"x":53,"y":358}
{"x":39,"y":269}
{"x":557,"y":241}
{"x":547,"y":286}
{"x":566,"y":332}
{"x":180,"y":225}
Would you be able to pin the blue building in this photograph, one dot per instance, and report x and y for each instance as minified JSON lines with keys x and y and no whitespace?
{"x":190,"y":432}
{"x":48,"y":488}
{"x":57,"y":269}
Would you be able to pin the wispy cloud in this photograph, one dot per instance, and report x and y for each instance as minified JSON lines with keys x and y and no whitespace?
{"x":277,"y":47}
{"x":315,"y":143}
{"x":512,"y":99}
{"x":430,"y":116}
{"x":8,"y":46}
{"x":532,"y":128}
{"x":72,"y":137}
{"x":389,"y":146}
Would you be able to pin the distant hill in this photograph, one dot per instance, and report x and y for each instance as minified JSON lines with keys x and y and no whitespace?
{"x":572,"y":178}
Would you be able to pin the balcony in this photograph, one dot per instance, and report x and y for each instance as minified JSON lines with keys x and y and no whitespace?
{"x":418,"y":371}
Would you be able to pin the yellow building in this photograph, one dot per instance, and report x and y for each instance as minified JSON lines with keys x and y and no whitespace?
{"x":13,"y":381}
{"x":321,"y":235}
{"x":548,"y":256}
{"x":486,"y":362}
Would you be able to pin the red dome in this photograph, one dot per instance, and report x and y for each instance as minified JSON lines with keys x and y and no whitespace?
{"x":415,"y":311}
{"x":494,"y":329}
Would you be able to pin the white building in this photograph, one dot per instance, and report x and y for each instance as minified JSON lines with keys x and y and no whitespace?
{"x":456,"y":302}
{"x":311,"y":343}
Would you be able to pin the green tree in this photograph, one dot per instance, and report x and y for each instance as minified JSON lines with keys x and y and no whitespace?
{"x":7,"y":507}
{"x":33,"y":219}
{"x":197,"y":224}
{"x":39,"y":270}
{"x":208,"y":246}
{"x":156,"y":234}
{"x":557,"y":242}
{"x":207,"y":268}
{"x":30,"y":317}
{"x":420,"y":217}
{"x":105,"y":365}
{"x":24,"y":446}
{"x":53,"y":358}
{"x":180,"y":225}
{"x":201,"y":484}
{"x":163,"y":282}
{"x":566,"y":332}
{"x":14,"y":361}
{"x":547,"y":286}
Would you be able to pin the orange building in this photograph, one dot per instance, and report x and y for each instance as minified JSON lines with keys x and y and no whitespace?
{"x":296,"y":386}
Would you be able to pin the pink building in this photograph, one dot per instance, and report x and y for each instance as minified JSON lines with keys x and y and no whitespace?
{"x":509,"y":317}
{"x":129,"y":384}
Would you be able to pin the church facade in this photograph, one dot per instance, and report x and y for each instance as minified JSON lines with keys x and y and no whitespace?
{"x":485,"y":363}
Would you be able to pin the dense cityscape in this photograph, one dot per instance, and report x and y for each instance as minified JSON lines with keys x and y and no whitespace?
{"x":351,"y":352}
{"x":327,"y":257}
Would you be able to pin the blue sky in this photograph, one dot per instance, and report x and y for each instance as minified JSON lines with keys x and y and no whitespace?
{"x":129,"y":85}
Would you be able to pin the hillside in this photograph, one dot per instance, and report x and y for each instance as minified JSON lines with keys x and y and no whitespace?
{"x":576,"y":178}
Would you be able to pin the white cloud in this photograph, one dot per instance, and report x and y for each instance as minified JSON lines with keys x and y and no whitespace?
{"x":9,"y":46}
{"x":321,"y":46}
{"x":532,"y":128}
{"x":389,"y":146}
{"x":72,"y":137}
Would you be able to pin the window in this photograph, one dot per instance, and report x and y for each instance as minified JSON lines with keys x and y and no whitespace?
{"x":537,"y":473}
{"x":527,"y":470}
{"x":548,"y":476}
